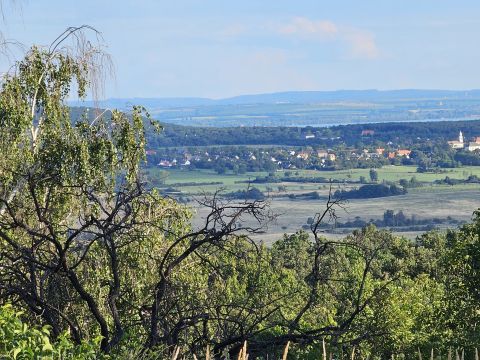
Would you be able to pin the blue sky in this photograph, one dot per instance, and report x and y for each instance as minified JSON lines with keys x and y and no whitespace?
{"x":214,"y":48}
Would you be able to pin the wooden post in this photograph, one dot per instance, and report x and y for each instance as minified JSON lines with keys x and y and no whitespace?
{"x":242,"y":352}
{"x":285,"y":351}
{"x":476,"y":354}
{"x":324,"y":349}
{"x":207,"y":354}
{"x":353,"y":354}
{"x":431,"y":355}
{"x":176,"y":351}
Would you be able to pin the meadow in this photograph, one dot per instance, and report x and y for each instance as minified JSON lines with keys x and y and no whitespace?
{"x":426,"y":202}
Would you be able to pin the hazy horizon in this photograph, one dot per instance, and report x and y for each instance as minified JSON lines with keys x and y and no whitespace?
{"x":292,"y":91}
{"x":216,"y":49}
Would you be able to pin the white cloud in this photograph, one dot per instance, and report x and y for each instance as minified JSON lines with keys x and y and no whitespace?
{"x":361,"y":43}
{"x":304,"y":27}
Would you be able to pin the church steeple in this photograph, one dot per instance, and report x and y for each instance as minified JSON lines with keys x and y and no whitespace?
{"x":460,"y":137}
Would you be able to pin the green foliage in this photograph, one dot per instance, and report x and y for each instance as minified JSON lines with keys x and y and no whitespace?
{"x":20,"y":341}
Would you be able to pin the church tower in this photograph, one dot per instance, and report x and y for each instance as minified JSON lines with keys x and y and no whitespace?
{"x":460,"y":137}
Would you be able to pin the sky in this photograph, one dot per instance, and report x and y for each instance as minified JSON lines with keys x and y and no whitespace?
{"x":223,"y":48}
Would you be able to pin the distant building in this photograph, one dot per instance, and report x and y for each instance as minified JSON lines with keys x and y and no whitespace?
{"x":331,"y":157}
{"x":472,"y":146}
{"x":322,"y":154}
{"x":368,"y":132}
{"x":303,"y":155}
{"x":404,"y":152}
{"x":150,"y":152}
{"x":310,"y":136}
{"x":457,"y":144}
{"x":165,"y":163}
{"x":379,"y":151}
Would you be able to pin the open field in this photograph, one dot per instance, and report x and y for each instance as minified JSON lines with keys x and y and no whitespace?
{"x":232,"y":182}
{"x":426,"y":202}
{"x":444,"y":202}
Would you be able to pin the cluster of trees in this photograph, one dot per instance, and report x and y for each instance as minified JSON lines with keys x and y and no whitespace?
{"x":252,"y":193}
{"x":472,"y":179}
{"x":402,"y":134}
{"x":468,"y":158}
{"x":397,"y":219}
{"x":371,"y":191}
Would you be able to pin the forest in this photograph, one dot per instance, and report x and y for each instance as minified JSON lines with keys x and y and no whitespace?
{"x":406,"y":133}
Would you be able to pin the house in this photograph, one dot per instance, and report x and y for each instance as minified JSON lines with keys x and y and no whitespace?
{"x":303,"y":155}
{"x":379,"y":151}
{"x":310,"y":136}
{"x":472,"y":146}
{"x":391,"y":155}
{"x":150,"y":152}
{"x":165,"y":163}
{"x":404,"y":152}
{"x":331,"y":157}
{"x":322,"y":154}
{"x":368,"y":132}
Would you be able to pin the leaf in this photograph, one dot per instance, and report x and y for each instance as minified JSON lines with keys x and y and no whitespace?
{"x":47,"y":346}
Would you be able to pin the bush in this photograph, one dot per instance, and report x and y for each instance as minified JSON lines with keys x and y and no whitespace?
{"x":371,"y":191}
{"x":18,"y":340}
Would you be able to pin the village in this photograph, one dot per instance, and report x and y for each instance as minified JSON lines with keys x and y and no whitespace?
{"x":257,"y":158}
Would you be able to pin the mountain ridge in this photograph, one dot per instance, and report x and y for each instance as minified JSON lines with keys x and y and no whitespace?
{"x":293,"y":97}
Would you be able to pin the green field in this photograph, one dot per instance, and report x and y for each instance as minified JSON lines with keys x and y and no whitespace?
{"x":231,"y":181}
{"x":428,"y":201}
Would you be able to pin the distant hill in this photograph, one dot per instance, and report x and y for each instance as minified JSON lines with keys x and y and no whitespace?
{"x":308,"y":108}
{"x":293,"y":97}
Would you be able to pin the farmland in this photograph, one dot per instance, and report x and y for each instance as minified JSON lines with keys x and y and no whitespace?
{"x":428,"y":201}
